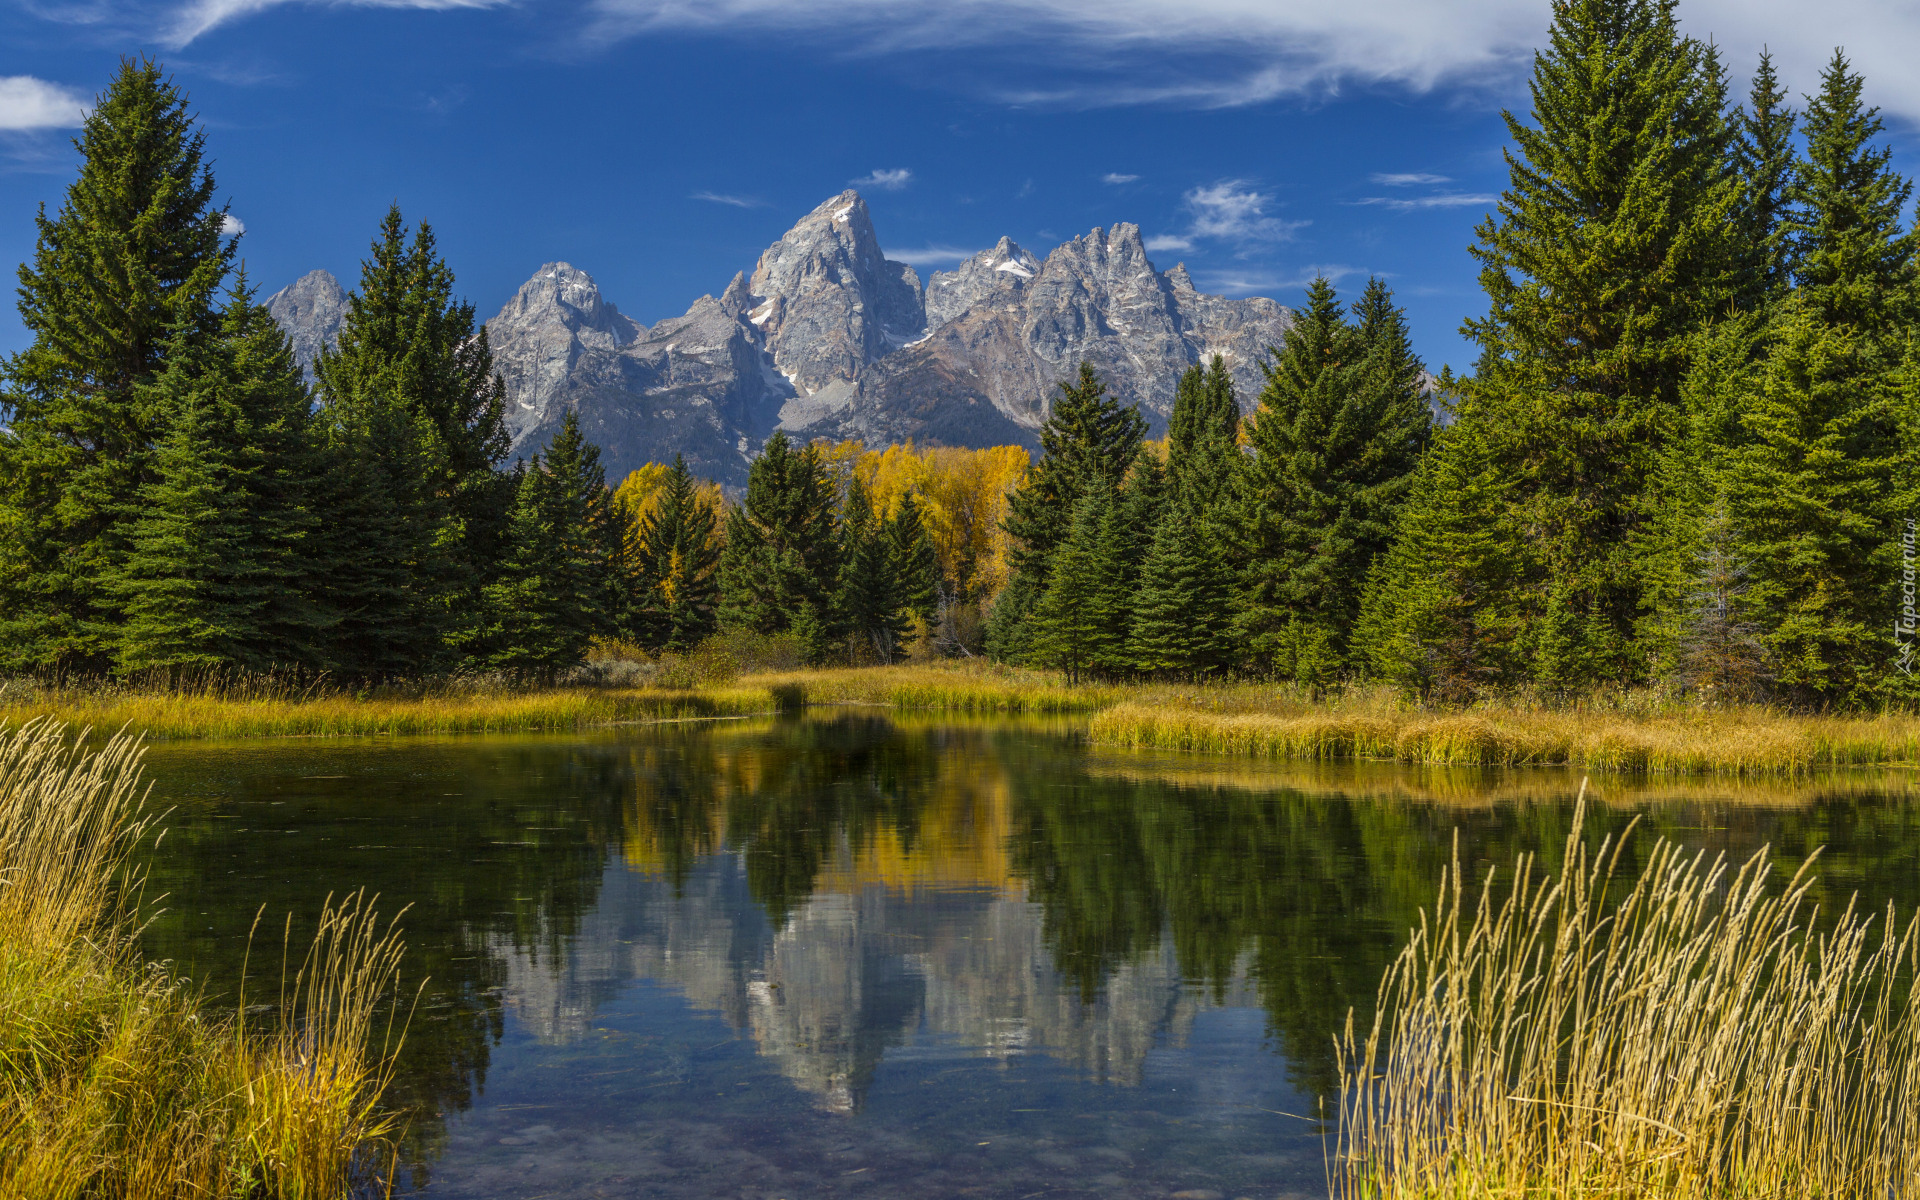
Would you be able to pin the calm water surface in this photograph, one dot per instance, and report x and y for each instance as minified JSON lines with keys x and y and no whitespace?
{"x":857,"y":956}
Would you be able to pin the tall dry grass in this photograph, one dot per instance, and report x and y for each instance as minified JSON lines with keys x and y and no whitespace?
{"x":1734,"y":741}
{"x":1696,"y":1034}
{"x":115,"y":1081}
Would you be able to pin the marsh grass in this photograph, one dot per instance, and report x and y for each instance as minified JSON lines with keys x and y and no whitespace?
{"x":1739,"y":741}
{"x":1699,"y":1033}
{"x":115,"y":1080}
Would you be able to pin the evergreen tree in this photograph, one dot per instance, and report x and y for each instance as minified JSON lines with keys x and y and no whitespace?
{"x":1807,"y":496}
{"x":1074,"y":626}
{"x":556,"y":590}
{"x":1181,"y":615}
{"x":414,"y":414}
{"x":130,"y":265}
{"x":1763,"y":163}
{"x":1202,"y":430}
{"x":870,"y":596}
{"x":1720,"y":655}
{"x":916,"y":562}
{"x":1088,"y":439}
{"x":780,"y":571}
{"x":1340,"y":428}
{"x":678,"y":557}
{"x":1853,"y":256}
{"x":218,"y":573}
{"x":1609,"y":249}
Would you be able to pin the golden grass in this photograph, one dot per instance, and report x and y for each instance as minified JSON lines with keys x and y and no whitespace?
{"x":1733,"y":741}
{"x":192,"y":714}
{"x":115,"y":1081}
{"x":1693,"y":1039}
{"x":975,"y":687}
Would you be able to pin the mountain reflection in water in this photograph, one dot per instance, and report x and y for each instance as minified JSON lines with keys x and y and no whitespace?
{"x":920,"y":929}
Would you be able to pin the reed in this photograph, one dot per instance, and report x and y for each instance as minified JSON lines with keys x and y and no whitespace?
{"x":1730,"y":741}
{"x":1697,"y":1035}
{"x":115,"y":1080}
{"x":175,"y":714}
{"x":970,"y":688}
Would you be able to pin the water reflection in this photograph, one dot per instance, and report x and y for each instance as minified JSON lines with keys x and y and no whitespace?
{"x":952,"y":952}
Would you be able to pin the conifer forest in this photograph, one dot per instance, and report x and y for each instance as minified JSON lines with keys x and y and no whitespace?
{"x":1684,"y":459}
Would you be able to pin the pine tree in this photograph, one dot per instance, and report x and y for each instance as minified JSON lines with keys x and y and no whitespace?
{"x":218,"y":573}
{"x":1763,"y":162}
{"x":1181,"y":614}
{"x":916,"y":562}
{"x":1202,"y":430}
{"x":1808,"y":495}
{"x":1853,"y":257}
{"x":870,"y":599}
{"x":1073,"y":623}
{"x":1609,"y":250}
{"x":780,"y":570}
{"x":1088,"y":439}
{"x":410,"y":390}
{"x":678,"y":556}
{"x":130,"y":265}
{"x":1340,"y":428}
{"x":556,"y":590}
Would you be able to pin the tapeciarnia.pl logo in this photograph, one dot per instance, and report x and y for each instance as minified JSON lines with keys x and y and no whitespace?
{"x":1903,"y":625}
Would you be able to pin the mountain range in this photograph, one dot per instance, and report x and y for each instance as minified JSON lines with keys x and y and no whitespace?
{"x":829,"y":338}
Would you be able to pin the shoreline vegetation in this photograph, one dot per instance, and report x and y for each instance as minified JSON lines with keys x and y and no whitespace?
{"x":116,"y":1078}
{"x":1631,"y":734}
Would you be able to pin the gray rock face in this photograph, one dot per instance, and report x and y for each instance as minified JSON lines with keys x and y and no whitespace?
{"x":310,"y":309}
{"x":830,"y":338}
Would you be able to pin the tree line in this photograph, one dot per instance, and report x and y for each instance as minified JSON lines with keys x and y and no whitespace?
{"x":1684,"y":458}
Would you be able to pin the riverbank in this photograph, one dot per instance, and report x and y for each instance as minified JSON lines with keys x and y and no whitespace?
{"x":1237,"y":720}
{"x":115,"y":1078}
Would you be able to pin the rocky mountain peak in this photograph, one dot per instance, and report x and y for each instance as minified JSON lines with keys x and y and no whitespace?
{"x":827,"y":300}
{"x":995,"y":276}
{"x":311,"y":310}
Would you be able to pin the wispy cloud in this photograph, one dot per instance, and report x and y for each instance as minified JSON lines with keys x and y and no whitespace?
{"x":1116,"y":178}
{"x":199,"y":16}
{"x":28,"y":103}
{"x":1231,"y":210}
{"x":890,"y":181}
{"x":1168,"y":241}
{"x":1408,"y":178}
{"x":1240,"y":283}
{"x":931,"y":256}
{"x":736,"y":201}
{"x":1438,"y":200}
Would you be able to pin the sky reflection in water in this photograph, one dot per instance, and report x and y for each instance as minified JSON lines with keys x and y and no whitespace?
{"x":847,"y":956}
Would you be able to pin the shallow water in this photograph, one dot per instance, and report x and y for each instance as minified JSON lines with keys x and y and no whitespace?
{"x":845,"y":956}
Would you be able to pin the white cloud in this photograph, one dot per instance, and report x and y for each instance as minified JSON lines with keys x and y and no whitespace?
{"x":1231,"y":52}
{"x":29,"y":103}
{"x":891,"y":181}
{"x":1168,"y":241}
{"x":1232,"y":283}
{"x":198,"y":16}
{"x":1233,"y":211}
{"x":736,"y":201}
{"x":930,"y":256}
{"x":231,"y":225}
{"x":1438,"y":200}
{"x":1408,"y":179}
{"x":1115,"y":177}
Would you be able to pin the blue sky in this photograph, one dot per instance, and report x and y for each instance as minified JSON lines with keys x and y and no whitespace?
{"x":661,"y":144}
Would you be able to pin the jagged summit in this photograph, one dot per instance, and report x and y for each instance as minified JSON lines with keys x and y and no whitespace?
{"x":310,"y":309}
{"x":828,"y":337}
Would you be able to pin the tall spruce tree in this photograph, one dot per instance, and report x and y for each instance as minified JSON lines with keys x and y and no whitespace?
{"x":1088,"y":439}
{"x":1340,"y":428}
{"x":1853,"y":256}
{"x":413,"y":411}
{"x":780,"y":571}
{"x":678,"y":558}
{"x":130,"y":266}
{"x":219,"y":572}
{"x":1075,"y":625}
{"x":1181,"y":608}
{"x":916,"y":562}
{"x":870,"y":595}
{"x":1763,"y":158}
{"x":556,"y":591}
{"x":1609,"y":250}
{"x":1202,"y":430}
